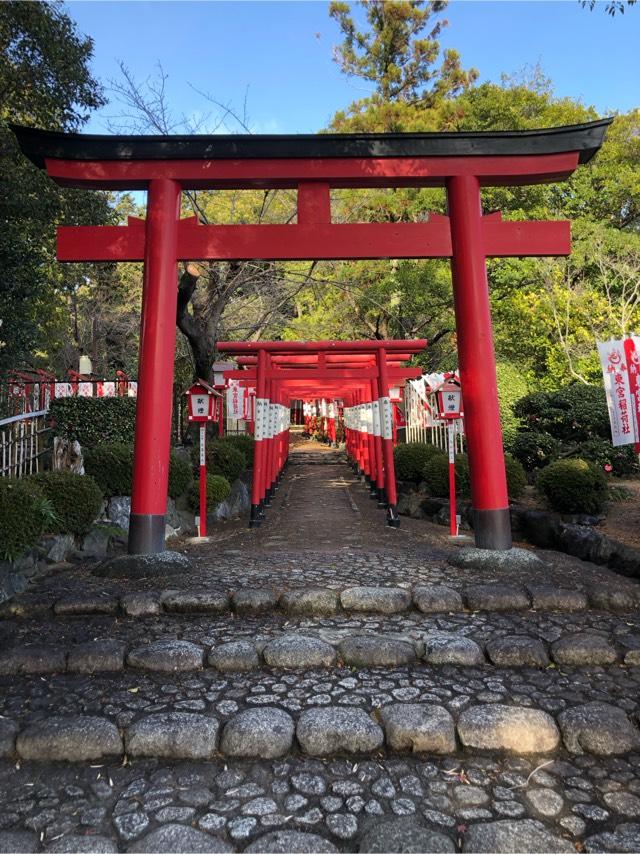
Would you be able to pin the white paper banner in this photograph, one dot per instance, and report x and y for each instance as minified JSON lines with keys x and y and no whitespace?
{"x":620,"y":403}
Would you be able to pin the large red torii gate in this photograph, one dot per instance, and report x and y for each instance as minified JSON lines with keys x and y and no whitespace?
{"x":313,"y":165}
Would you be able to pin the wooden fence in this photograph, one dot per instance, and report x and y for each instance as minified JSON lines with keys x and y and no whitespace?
{"x":23,"y":446}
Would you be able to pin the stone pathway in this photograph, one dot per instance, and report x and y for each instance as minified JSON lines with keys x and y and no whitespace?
{"x":324,"y":683}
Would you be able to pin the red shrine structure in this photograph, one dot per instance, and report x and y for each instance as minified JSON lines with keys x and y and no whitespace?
{"x":313,"y":165}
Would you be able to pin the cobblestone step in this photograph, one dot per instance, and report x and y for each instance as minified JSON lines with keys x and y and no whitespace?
{"x":318,"y":601}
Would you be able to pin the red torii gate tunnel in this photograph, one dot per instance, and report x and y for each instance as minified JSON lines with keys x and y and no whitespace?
{"x":314,"y":164}
{"x":359,"y":372}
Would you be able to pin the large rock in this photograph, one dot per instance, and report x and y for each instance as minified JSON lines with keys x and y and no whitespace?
{"x":179,"y":839}
{"x":291,"y":842}
{"x":545,"y":597}
{"x":86,"y":604}
{"x":237,"y":503}
{"x":517,"y":651}
{"x":512,"y":728}
{"x":18,"y":842}
{"x":96,"y":656}
{"x":541,"y":528}
{"x":584,"y":542}
{"x":264,"y":733}
{"x":72,"y":739}
{"x":141,"y":604}
{"x":234,"y":656}
{"x":59,"y":547}
{"x":405,"y":835}
{"x":436,"y":599}
{"x":195,"y":603}
{"x":176,"y":735}
{"x":333,"y":729}
{"x":8,"y":731}
{"x":518,"y":560}
{"x":525,"y":836}
{"x":495,"y":597}
{"x":144,"y":566}
{"x":312,"y":602}
{"x":376,"y":651}
{"x":410,"y":726}
{"x":72,"y":844}
{"x":383,"y":600}
{"x":598,"y":728}
{"x":119,"y":510}
{"x":583,"y":648}
{"x":98,"y":542}
{"x":450,"y":648}
{"x":167,"y":656}
{"x":250,"y":602}
{"x":32,"y":658}
{"x":612,"y":598}
{"x":625,"y":839}
{"x":298,"y":651}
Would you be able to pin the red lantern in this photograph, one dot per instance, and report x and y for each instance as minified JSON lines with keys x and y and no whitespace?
{"x":202,"y":402}
{"x":449,"y":397}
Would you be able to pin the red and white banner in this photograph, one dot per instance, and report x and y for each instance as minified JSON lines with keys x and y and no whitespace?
{"x":235,"y":401}
{"x":620,"y":361}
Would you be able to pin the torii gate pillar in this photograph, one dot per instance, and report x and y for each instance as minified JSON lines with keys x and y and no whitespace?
{"x":492,"y":526}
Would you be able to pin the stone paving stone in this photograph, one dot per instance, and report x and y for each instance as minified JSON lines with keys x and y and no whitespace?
{"x":406,"y":835}
{"x":515,"y":559}
{"x":195,"y":603}
{"x":72,"y":844}
{"x":544,"y":597}
{"x":71,"y":739}
{"x":495,"y":597}
{"x":376,"y":651}
{"x":383,"y":600}
{"x":632,"y":657}
{"x":141,"y":604}
{"x":238,"y":656}
{"x":167,"y":656}
{"x":612,"y":598}
{"x":436,"y":599}
{"x":545,"y":802}
{"x":144,"y":566}
{"x":179,"y":839}
{"x":299,"y":652}
{"x":513,"y":728}
{"x":410,"y":726}
{"x":32,"y":658}
{"x":324,"y":731}
{"x":524,"y":836}
{"x":317,"y":601}
{"x":291,"y":842}
{"x":176,"y":735}
{"x":8,"y":731}
{"x":266,"y":733}
{"x":624,"y":803}
{"x":450,"y":648}
{"x":625,"y":839}
{"x":249,"y":601}
{"x":583,"y":648}
{"x":598,"y":728}
{"x":517,"y":651}
{"x":18,"y":842}
{"x":86,"y":605}
{"x":96,"y":656}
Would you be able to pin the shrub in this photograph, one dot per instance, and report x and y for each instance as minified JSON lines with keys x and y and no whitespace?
{"x":244,"y":442}
{"x":436,"y":476}
{"x":410,"y":459}
{"x":575,"y":413}
{"x":111,"y":466}
{"x":573,"y":486}
{"x":222,"y":458}
{"x":76,"y":500}
{"x":512,"y":386}
{"x":600,"y":452}
{"x":24,"y":512}
{"x":535,"y":450}
{"x":94,"y":420}
{"x":516,"y":476}
{"x":218,"y":488}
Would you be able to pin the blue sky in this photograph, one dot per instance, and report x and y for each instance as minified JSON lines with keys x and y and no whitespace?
{"x":279,"y":54}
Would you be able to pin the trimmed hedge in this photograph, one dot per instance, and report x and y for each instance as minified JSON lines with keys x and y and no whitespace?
{"x":111,"y":465}
{"x":410,"y":459}
{"x":218,"y":488}
{"x":573,"y":486}
{"x":94,"y":420}
{"x":223,"y":457}
{"x":24,"y":513}
{"x":436,"y":476}
{"x":244,"y":442}
{"x":535,"y":450}
{"x":76,"y":500}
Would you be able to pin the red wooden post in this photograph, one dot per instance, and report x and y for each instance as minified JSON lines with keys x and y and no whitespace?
{"x":203,"y":480}
{"x":155,"y":373}
{"x":386,"y":420}
{"x":377,"y":439}
{"x":259,"y":448}
{"x":451,"y":437}
{"x":492,"y":524}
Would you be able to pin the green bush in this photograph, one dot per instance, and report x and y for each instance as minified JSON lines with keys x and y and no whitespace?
{"x":512,"y":386}
{"x":600,"y":452}
{"x":436,"y":476}
{"x":244,"y":442}
{"x":24,"y":512}
{"x":111,"y":465}
{"x":535,"y":450}
{"x":573,"y":486}
{"x":222,"y":458}
{"x":410,"y":459}
{"x":575,"y":413}
{"x":94,"y":420}
{"x":218,"y":488}
{"x":76,"y":500}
